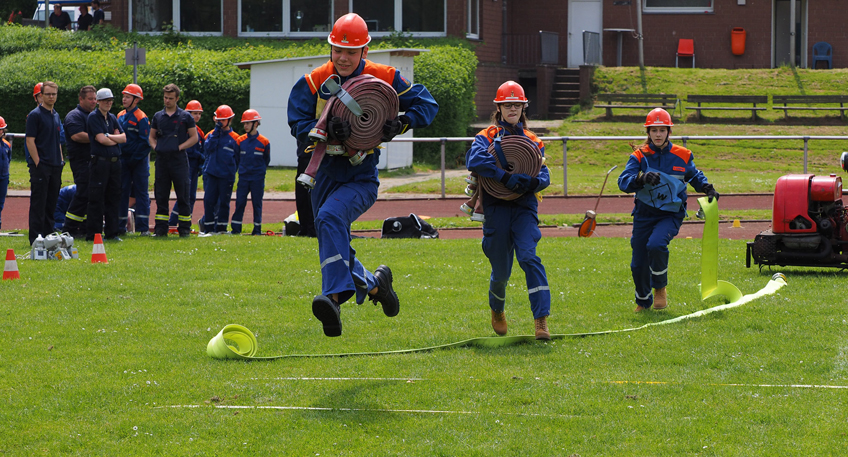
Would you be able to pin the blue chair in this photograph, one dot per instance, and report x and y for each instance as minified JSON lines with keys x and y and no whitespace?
{"x":823,"y":52}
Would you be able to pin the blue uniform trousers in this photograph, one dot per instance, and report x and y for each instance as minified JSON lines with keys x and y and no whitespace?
{"x":104,"y":189}
{"x":216,"y":203}
{"x":44,"y":183}
{"x":194,"y":171}
{"x":171,"y":168}
{"x":256,"y":188}
{"x":336,"y":206}
{"x":135,"y":178}
{"x":653,"y":230}
{"x":4,"y":187}
{"x":75,"y":216}
{"x":514,"y":230}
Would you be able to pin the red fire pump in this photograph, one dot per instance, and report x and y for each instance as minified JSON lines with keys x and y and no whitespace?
{"x":809,"y":226}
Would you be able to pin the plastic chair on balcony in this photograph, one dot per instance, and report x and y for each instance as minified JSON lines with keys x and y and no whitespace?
{"x":823,"y":52}
{"x":685,"y":48}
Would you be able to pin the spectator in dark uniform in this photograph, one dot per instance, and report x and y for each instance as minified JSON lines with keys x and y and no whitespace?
{"x":104,"y":187}
{"x":79,"y":156}
{"x":45,"y":161}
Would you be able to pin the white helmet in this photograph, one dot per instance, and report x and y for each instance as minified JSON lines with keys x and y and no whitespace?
{"x":104,"y":94}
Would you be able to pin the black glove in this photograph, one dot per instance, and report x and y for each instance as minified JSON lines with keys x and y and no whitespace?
{"x":338,"y":129}
{"x":710,"y":192}
{"x":651,"y":177}
{"x":395,"y":127}
{"x":518,"y":182}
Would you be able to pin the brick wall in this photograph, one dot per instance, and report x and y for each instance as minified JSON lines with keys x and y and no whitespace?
{"x":489,"y":78}
{"x":827,"y":23}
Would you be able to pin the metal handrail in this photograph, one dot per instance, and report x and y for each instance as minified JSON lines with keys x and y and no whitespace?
{"x":566,"y":139}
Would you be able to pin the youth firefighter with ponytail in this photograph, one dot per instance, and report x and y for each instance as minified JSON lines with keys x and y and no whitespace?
{"x":511,"y":220}
{"x":345,"y":188}
{"x":657,"y":172}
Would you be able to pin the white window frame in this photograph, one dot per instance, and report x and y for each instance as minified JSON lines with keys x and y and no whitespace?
{"x":399,"y":22}
{"x":175,"y":13}
{"x":469,"y":33}
{"x":678,"y":9}
{"x":286,"y":32}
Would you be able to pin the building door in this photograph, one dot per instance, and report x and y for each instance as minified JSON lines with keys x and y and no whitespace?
{"x":583,"y":15}
{"x":782,"y":18}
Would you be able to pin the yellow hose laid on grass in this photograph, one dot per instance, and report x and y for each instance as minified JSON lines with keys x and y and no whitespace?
{"x":237,"y":342}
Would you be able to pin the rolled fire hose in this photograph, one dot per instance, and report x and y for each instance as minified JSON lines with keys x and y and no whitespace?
{"x":521,"y":156}
{"x":379,"y":103}
{"x":237,"y":342}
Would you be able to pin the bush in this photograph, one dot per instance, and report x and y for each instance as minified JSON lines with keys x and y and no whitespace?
{"x":449,"y":75}
{"x":202,"y":68}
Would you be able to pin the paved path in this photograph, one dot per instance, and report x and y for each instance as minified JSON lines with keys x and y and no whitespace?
{"x":277,"y":206}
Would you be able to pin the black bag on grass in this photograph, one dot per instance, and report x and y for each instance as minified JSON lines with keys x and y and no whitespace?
{"x":410,"y":226}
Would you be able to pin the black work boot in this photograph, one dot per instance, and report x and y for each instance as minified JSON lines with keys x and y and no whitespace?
{"x":385,"y":295}
{"x":328,"y":312}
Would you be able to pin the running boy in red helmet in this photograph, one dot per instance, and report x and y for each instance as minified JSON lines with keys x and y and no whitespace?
{"x":658,"y":171}
{"x":343,"y":190}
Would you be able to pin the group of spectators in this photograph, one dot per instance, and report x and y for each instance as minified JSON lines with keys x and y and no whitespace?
{"x":109,"y":156}
{"x":62,"y":20}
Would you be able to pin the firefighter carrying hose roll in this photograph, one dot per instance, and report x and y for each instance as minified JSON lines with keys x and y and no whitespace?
{"x":657,"y":172}
{"x":344,"y":191}
{"x":511,"y":220}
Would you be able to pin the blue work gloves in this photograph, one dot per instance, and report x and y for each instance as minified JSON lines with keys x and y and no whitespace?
{"x":651,"y":177}
{"x":395,"y":127}
{"x":338,"y":129}
{"x":519,"y":182}
{"x":710,"y":192}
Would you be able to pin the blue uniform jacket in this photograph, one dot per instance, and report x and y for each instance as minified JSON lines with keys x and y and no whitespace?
{"x":308,"y":97}
{"x":675,"y":161}
{"x":136,"y":125}
{"x":222,"y":154}
{"x":66,"y":194}
{"x":196,"y":151}
{"x":5,"y":157}
{"x":255,"y":156}
{"x":478,"y":160}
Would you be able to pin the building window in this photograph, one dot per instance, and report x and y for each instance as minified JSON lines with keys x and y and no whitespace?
{"x":678,"y":6}
{"x":193,"y":17}
{"x":285,"y":17}
{"x":417,"y":17}
{"x":473,"y":30}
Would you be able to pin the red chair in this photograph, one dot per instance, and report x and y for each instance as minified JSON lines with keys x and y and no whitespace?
{"x":685,"y":48}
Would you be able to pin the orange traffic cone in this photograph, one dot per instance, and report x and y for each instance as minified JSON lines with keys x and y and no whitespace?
{"x":98,"y":254}
{"x":11,"y":269}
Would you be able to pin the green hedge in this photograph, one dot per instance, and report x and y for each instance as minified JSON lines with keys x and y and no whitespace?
{"x":202,"y":68}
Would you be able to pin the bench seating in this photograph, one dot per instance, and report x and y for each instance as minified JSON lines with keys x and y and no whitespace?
{"x":728,"y":99}
{"x":787,"y":100}
{"x":636,"y":101}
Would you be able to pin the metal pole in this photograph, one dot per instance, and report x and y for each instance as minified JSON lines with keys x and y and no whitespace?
{"x":792,"y":32}
{"x":684,"y":138}
{"x":46,"y":13}
{"x":503,"y":32}
{"x":443,"y":140}
{"x":564,"y":167}
{"x":135,"y":62}
{"x":639,"y":33}
{"x":806,"y":139}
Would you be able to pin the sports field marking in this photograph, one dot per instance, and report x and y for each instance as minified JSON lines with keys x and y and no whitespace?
{"x":370,"y":410}
{"x":794,"y":386}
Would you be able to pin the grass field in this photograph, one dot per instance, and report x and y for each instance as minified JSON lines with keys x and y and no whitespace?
{"x":106,"y":359}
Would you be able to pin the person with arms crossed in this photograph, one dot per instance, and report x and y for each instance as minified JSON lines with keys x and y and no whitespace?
{"x":195,"y":161}
{"x":79,"y":157}
{"x":104,"y":187}
{"x":219,"y":171}
{"x":255,"y":158}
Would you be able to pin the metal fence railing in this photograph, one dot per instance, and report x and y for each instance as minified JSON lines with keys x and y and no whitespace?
{"x":565,"y":139}
{"x":532,"y":49}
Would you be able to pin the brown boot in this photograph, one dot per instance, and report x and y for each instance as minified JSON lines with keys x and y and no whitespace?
{"x":542,"y":332}
{"x":660,"y":298}
{"x":499,"y":322}
{"x":639,"y":309}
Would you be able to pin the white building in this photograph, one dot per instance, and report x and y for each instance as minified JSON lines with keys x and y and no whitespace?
{"x":272,"y":105}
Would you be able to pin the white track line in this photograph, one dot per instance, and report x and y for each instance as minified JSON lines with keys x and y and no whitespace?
{"x":796,"y":386}
{"x":336,"y":379}
{"x":376,"y":410}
